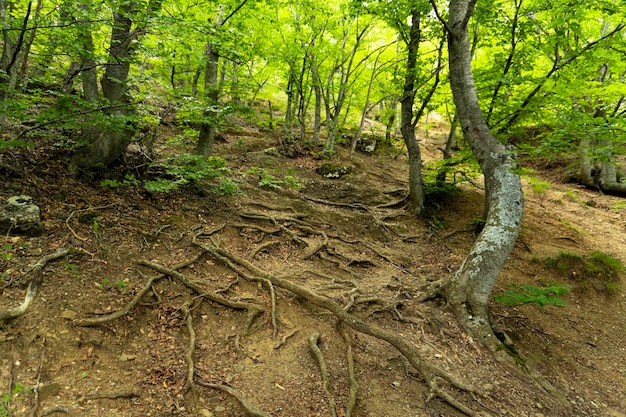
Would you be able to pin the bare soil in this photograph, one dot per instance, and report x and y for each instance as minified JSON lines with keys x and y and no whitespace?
{"x":333,"y":237}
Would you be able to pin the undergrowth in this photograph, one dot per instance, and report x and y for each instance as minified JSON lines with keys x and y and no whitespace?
{"x":596,"y":269}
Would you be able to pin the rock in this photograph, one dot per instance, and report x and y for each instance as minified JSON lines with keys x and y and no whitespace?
{"x":206,"y":413}
{"x":69,"y":314}
{"x":20,"y":216}
{"x":334,"y":171}
{"x":220,"y":411}
{"x":124,"y":357}
{"x":366,"y":144}
{"x":49,"y":390}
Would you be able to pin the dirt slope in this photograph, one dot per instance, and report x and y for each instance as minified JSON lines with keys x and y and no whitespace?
{"x":355,"y":252}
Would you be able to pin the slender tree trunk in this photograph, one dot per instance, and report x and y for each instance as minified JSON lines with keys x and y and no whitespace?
{"x":317,"y":89}
{"x":390,"y":122}
{"x":407,"y":128}
{"x":208,"y":128}
{"x":469,"y":290}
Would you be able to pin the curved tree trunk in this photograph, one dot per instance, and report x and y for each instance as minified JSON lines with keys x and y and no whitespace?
{"x":469,"y":290}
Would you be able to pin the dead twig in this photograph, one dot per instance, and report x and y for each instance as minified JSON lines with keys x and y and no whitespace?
{"x":250,"y":410}
{"x":317,"y":353}
{"x":35,"y":282}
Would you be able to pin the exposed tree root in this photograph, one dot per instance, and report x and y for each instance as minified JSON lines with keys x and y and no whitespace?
{"x":283,"y":340}
{"x":253,"y":309}
{"x":317,"y":353}
{"x":35,"y":282}
{"x":270,"y":206}
{"x":35,"y":408}
{"x":249,"y":278}
{"x":189,"y":384}
{"x":354,"y":385}
{"x":255,"y":227}
{"x":112,"y":395}
{"x":262,"y":247}
{"x":358,"y":206}
{"x":56,"y":409}
{"x":89,"y":322}
{"x":250,"y":410}
{"x":428,"y":371}
{"x":291,"y":218}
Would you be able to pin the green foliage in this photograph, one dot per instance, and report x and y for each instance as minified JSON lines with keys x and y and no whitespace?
{"x":185,"y":169}
{"x":6,"y":398}
{"x":129,"y":180}
{"x":525,"y":294}
{"x":596,"y":269}
{"x":539,"y":186}
{"x":5,"y":251}
{"x":269,"y":180}
{"x":72,"y":269}
{"x":442,"y":177}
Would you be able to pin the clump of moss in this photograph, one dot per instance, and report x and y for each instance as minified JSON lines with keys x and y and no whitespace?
{"x":596,"y":269}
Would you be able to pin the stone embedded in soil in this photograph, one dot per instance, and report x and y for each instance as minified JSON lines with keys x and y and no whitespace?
{"x":220,"y":411}
{"x":69,"y":314}
{"x":124,"y":357}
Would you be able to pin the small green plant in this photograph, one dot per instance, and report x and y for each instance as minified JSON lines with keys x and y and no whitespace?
{"x":572,"y":195}
{"x":227,"y":187}
{"x":5,"y":251}
{"x":72,"y":269}
{"x":525,"y":294}
{"x":6,"y":398}
{"x":293,"y":183}
{"x":129,"y":179}
{"x":539,"y":186}
{"x":618,"y":205}
{"x":120,"y":285}
{"x":106,"y":282}
{"x":184,"y":169}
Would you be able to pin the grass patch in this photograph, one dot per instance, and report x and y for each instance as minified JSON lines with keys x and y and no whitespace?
{"x":595,"y":270}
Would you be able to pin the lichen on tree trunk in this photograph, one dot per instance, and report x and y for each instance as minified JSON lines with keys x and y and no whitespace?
{"x":469,"y":290}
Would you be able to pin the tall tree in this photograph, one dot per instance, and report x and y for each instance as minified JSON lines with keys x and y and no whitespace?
{"x":469,"y":290}
{"x":112,"y":142}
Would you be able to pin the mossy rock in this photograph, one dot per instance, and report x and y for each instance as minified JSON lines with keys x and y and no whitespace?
{"x":333,"y":171}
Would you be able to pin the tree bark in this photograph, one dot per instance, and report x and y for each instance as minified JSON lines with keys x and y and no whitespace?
{"x":416,"y":186}
{"x":208,"y":128}
{"x":111,"y":144}
{"x":469,"y":290}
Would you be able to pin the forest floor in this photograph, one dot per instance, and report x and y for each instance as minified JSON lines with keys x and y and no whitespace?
{"x":335,"y":237}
